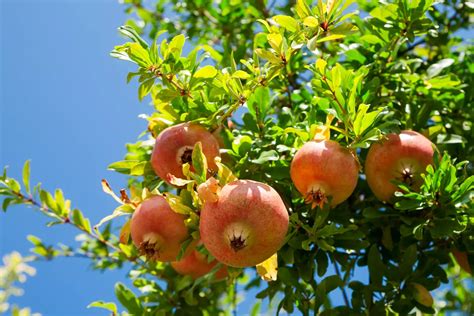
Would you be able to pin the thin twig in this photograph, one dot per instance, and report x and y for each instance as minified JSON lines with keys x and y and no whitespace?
{"x":335,"y":97}
{"x":344,"y":294}
{"x":411,"y":47}
{"x":234,"y":299}
{"x":66,"y":220}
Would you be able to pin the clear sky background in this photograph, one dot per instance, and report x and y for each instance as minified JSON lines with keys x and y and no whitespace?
{"x":65,"y":104}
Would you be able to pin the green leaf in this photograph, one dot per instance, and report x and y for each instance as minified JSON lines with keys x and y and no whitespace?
{"x":326,"y":286}
{"x":259,"y":103}
{"x":104,"y":305}
{"x":26,"y":176}
{"x":128,"y":299}
{"x":130,"y":32}
{"x":145,"y":88}
{"x":256,"y":309}
{"x":138,"y":54}
{"x":47,"y":199}
{"x":80,"y":221}
{"x":13,"y":185}
{"x":63,"y":206}
{"x":385,"y":12}
{"x":34,"y":240}
{"x":287,"y":22}
{"x":6,"y":203}
{"x":435,"y":69}
{"x":408,"y":260}
{"x":322,"y":262}
{"x":124,"y":166}
{"x":376,"y":266}
{"x":199,"y":161}
{"x":175,"y":47}
{"x":214,"y":53}
{"x":266,"y":156}
{"x":206,"y":72}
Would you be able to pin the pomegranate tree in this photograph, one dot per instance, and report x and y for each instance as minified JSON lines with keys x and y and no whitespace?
{"x":235,"y":89}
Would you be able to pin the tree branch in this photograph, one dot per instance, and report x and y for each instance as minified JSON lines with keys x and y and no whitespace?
{"x":343,"y":290}
{"x":44,"y":209}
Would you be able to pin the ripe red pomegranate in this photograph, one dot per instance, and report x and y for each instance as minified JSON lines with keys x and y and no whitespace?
{"x":157,"y":231}
{"x":322,"y":169}
{"x":174,"y":147}
{"x":195,"y":264}
{"x":246,"y":225}
{"x":401,"y":157}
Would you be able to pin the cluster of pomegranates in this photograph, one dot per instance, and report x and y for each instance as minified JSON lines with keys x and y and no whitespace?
{"x":324,"y":169}
{"x":245,"y":222}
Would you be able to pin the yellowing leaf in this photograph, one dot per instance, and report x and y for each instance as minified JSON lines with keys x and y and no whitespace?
{"x":224,"y":173}
{"x":321,"y":65}
{"x":321,"y":133}
{"x":275,"y":41}
{"x":125,"y":233}
{"x":265,"y":54}
{"x":311,"y":21}
{"x":179,"y":182}
{"x":209,"y":190}
{"x":422,"y":295}
{"x":206,"y":72}
{"x":330,"y":38}
{"x":240,"y":74}
{"x":107,"y":189}
{"x":302,"y":9}
{"x":177,"y":205}
{"x":268,"y":269}
{"x":329,"y":6}
{"x":300,"y":132}
{"x":287,"y":22}
{"x":175,"y":47}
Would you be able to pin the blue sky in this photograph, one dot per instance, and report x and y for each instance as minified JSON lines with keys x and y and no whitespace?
{"x":66,"y":106}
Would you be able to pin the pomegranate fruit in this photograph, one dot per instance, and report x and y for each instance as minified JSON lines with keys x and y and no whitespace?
{"x":323,"y":169}
{"x":246,"y":225}
{"x":195,"y":265}
{"x":174,"y":147}
{"x":157,"y":231}
{"x":401,"y":157}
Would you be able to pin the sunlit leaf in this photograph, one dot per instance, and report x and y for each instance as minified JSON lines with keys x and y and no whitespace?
{"x":268,"y":269}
